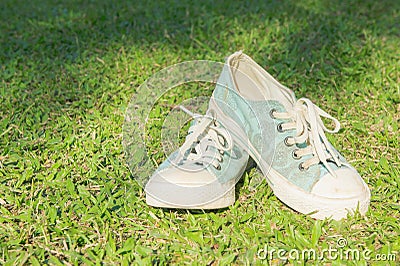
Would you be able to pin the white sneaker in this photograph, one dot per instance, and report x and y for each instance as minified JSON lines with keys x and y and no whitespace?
{"x":303,"y":168}
{"x":202,"y":174}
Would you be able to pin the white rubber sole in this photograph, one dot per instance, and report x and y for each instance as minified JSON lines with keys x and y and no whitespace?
{"x":293,"y":196}
{"x":200,"y":196}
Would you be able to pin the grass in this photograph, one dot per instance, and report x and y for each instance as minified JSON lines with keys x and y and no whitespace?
{"x":68,"y":70}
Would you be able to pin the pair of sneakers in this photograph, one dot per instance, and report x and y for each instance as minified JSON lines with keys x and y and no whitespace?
{"x":250,"y":114}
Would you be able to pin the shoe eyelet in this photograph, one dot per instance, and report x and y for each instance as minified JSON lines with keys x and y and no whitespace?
{"x":271,"y":113}
{"x":279,"y":128}
{"x":286,"y":141}
{"x":302,"y":168}
{"x":218,"y":167}
{"x":294,"y":155}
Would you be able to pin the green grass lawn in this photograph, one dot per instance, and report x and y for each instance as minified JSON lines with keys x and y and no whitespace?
{"x":68,"y":70}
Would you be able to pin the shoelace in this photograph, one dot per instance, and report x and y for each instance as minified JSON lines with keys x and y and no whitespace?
{"x":305,"y":118}
{"x":204,"y":135}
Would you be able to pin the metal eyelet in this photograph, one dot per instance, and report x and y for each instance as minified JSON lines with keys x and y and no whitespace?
{"x":286,"y":141}
{"x":218,"y":167}
{"x":271,"y":113}
{"x":279,"y":128}
{"x":302,"y":168}
{"x":294,"y":155}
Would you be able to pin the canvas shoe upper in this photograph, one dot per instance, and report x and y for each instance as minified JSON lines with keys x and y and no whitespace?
{"x":286,"y":137}
{"x":203,"y":172}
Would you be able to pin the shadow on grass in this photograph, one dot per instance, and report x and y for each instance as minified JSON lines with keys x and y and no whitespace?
{"x":66,"y":56}
{"x":48,"y":38}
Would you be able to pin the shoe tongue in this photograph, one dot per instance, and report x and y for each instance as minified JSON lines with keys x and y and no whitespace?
{"x":254,"y":83}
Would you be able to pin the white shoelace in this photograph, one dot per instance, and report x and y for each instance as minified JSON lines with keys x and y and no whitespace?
{"x":305,"y":118}
{"x":204,"y":135}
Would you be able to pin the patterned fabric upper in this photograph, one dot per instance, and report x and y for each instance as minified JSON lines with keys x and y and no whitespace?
{"x":233,"y":161}
{"x":255,"y":120}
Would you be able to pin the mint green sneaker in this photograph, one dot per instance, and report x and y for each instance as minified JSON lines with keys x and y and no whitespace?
{"x":286,"y":138}
{"x":203,"y":172}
